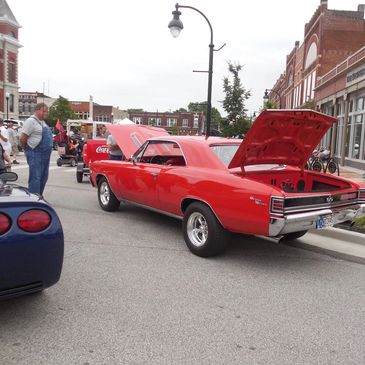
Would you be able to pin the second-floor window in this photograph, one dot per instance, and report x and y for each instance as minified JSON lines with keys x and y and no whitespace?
{"x":12,"y":72}
{"x":171,"y":122}
{"x":196,"y":121}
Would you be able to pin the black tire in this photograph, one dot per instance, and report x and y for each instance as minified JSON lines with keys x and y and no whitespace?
{"x":293,"y":235}
{"x":59,"y":162}
{"x":332,"y":167}
{"x":79,"y":176}
{"x":317,"y":166}
{"x":73,"y":162}
{"x":106,"y":197}
{"x":306,"y":166}
{"x":203,"y":233}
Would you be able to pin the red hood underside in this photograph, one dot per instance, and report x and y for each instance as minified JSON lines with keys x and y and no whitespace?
{"x":284,"y":137}
{"x":132,"y":136}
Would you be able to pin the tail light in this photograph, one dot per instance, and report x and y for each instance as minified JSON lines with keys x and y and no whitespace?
{"x":362,"y":194}
{"x":277,"y":205}
{"x":4,"y":223}
{"x":34,"y":220}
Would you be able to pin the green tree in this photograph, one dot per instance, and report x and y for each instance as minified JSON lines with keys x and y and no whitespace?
{"x":135,"y":110}
{"x":270,"y":105}
{"x":202,"y":107}
{"x":61,"y":110}
{"x":174,"y":130}
{"x":180,"y":110}
{"x":237,"y":122}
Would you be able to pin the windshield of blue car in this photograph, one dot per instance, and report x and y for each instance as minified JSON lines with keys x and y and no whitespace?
{"x":225,"y":152}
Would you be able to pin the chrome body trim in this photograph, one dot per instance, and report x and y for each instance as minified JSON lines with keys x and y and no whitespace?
{"x":307,"y":220}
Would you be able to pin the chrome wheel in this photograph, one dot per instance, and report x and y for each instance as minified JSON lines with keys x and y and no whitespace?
{"x":107,"y":200}
{"x":104,"y":193}
{"x":197,"y":229}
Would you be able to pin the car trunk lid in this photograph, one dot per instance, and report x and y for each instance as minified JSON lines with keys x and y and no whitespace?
{"x":283,"y":137}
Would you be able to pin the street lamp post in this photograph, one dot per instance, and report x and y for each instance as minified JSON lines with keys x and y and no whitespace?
{"x":176,"y":26}
{"x":7,"y":96}
{"x":266,"y":96}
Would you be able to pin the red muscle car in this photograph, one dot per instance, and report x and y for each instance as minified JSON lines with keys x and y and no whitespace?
{"x":216,"y":185}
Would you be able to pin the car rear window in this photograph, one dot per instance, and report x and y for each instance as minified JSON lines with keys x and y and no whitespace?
{"x":225,"y":152}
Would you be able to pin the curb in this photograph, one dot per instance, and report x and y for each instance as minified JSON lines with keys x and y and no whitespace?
{"x":341,"y":234}
{"x":326,"y":251}
{"x":353,"y":238}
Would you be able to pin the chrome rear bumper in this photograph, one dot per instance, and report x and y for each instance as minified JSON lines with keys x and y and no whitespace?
{"x":304,"y":221}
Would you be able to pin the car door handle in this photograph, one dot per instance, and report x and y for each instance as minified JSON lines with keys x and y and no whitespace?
{"x":154,"y":174}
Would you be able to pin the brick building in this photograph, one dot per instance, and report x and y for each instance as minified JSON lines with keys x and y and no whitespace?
{"x":28,"y":100}
{"x":100,"y":113}
{"x":329,"y":37}
{"x":180,"y":122}
{"x":341,"y":93}
{"x":9,"y":46}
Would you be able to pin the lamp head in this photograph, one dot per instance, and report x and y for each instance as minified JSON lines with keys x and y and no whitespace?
{"x":266,"y":95}
{"x":7,"y":95}
{"x":176,"y":24}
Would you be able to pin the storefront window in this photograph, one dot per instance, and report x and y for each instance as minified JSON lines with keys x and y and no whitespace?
{"x":339,"y":136}
{"x":360,"y":104}
{"x":347,"y":142}
{"x":356,"y":141}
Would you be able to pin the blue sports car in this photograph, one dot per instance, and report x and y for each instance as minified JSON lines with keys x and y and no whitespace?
{"x":31,"y":241}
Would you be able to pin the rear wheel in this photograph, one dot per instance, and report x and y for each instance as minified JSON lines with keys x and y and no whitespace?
{"x":203,"y":233}
{"x":73,"y":162}
{"x":79,"y":176}
{"x":332,"y":167}
{"x":59,"y":162}
{"x":107,"y":199}
{"x":293,"y":235}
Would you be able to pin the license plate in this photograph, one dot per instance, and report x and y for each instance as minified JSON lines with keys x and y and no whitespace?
{"x":324,"y":221}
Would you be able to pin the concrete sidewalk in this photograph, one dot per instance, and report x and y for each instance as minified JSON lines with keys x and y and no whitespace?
{"x":336,"y":242}
{"x":352,"y":174}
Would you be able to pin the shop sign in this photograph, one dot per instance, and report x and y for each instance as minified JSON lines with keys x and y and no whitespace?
{"x":355,"y":76}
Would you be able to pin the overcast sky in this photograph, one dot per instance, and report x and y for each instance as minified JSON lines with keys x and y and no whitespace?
{"x":122,"y":53}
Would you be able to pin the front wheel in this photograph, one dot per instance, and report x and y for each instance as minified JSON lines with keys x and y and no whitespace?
{"x":203,"y":233}
{"x":107,"y":200}
{"x":59,"y":162}
{"x":73,"y":162}
{"x":79,"y":176}
{"x":317,"y":166}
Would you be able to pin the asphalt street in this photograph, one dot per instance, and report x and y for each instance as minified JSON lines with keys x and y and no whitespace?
{"x":132,"y":293}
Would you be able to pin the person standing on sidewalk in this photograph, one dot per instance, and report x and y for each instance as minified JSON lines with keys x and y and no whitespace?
{"x":4,"y":157}
{"x":4,"y":138}
{"x":13,"y":141}
{"x":37,"y":142}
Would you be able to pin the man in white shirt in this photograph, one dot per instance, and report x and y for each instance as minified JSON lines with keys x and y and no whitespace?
{"x":4,"y":138}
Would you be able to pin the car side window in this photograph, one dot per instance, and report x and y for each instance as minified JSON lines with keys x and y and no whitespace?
{"x":163,"y":153}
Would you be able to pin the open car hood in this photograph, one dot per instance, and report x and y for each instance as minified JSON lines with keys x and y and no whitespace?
{"x":284,"y":137}
{"x":132,"y":136}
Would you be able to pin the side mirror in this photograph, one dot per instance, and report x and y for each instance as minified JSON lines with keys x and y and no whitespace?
{"x":8,"y":176}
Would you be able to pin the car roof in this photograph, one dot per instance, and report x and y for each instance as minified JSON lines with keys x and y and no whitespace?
{"x":197,"y":151}
{"x":198,"y":139}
